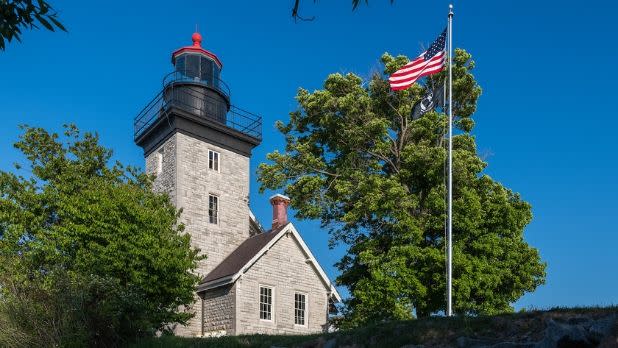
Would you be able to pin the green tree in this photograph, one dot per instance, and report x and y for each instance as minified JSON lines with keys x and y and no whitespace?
{"x":16,"y":15}
{"x":375,"y":177}
{"x":89,"y":254}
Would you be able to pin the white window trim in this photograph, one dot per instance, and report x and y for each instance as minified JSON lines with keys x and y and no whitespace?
{"x":159,"y":158}
{"x":218,"y":208}
{"x":272,"y":305}
{"x":306,"y":324}
{"x":218,"y":170}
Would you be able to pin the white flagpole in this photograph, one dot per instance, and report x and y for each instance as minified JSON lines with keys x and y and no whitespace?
{"x":449,"y":248}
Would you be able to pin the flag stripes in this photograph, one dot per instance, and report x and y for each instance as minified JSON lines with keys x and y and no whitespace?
{"x":427,"y":63}
{"x":406,"y":76}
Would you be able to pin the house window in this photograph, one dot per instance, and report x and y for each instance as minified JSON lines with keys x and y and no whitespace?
{"x":300,"y":309}
{"x":213,"y":209}
{"x":266,"y":303}
{"x":213,"y":160}
{"x":159,"y":163}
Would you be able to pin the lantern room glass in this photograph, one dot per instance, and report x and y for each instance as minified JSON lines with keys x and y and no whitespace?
{"x":198,"y":68}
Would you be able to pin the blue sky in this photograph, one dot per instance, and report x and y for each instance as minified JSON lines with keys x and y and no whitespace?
{"x":545,"y":120}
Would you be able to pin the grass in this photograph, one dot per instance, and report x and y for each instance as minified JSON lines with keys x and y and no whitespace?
{"x":431,"y":332}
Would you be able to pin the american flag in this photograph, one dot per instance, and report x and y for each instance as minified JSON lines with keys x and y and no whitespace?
{"x":427,"y":63}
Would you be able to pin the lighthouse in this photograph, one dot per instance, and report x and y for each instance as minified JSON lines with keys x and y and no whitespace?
{"x":198,"y":144}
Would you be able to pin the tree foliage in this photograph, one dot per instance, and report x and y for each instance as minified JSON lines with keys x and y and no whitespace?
{"x":89,"y":255}
{"x":16,"y":15}
{"x":356,"y":160}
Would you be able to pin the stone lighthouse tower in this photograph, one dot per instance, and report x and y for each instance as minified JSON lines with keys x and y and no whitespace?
{"x":199,"y":145}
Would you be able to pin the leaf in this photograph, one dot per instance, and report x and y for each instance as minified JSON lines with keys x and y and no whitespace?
{"x":57,"y":23}
{"x":43,"y":7}
{"x":43,"y":21}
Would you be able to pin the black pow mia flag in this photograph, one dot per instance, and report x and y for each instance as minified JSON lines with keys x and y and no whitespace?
{"x":432,"y":99}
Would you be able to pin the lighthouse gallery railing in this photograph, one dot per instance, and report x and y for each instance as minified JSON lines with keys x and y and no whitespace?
{"x":176,"y":95}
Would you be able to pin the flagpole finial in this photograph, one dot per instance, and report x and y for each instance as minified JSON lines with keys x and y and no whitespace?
{"x":450,"y":9}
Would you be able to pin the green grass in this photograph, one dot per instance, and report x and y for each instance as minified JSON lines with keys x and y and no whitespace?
{"x":431,"y":332}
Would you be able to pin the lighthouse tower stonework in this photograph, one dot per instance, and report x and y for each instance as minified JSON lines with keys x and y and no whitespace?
{"x":198,"y":145}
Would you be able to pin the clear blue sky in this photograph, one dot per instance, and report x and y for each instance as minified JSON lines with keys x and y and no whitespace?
{"x":545,"y":121}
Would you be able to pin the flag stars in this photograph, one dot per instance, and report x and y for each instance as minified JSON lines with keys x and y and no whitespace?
{"x":437,"y":46}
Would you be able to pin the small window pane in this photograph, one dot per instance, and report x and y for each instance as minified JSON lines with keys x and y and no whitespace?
{"x":299,"y":309}
{"x":180,"y":65}
{"x":206,"y":70}
{"x":216,"y":76}
{"x":213,"y":160}
{"x":266,"y":301}
{"x":213,"y":209}
{"x":192,"y":66}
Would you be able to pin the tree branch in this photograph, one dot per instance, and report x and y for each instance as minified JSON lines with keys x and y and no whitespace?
{"x":295,"y":14}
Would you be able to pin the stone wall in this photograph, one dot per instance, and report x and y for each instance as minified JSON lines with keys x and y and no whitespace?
{"x":165,"y":181}
{"x":285,"y":269}
{"x":185,"y":176}
{"x":218,"y":311}
{"x":195,"y":181}
{"x":230,"y":184}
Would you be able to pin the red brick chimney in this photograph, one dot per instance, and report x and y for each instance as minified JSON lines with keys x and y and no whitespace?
{"x":280,"y":210}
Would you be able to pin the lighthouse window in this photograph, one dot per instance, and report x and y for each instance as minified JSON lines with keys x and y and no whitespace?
{"x":216,"y":75}
{"x":193,"y":66}
{"x":206,"y":70}
{"x":180,"y":65}
{"x":213,"y":160}
{"x":213,"y":209}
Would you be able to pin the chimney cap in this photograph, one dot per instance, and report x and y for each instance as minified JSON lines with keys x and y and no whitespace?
{"x":279,"y":196}
{"x":280,"y":205}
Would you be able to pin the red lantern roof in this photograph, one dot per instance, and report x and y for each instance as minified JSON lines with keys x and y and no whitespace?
{"x":196,"y":48}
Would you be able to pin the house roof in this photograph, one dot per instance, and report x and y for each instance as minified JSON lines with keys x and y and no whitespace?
{"x":234,"y":262}
{"x":247,"y":253}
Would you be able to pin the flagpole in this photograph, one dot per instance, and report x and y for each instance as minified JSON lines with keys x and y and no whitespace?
{"x":449,"y":249}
